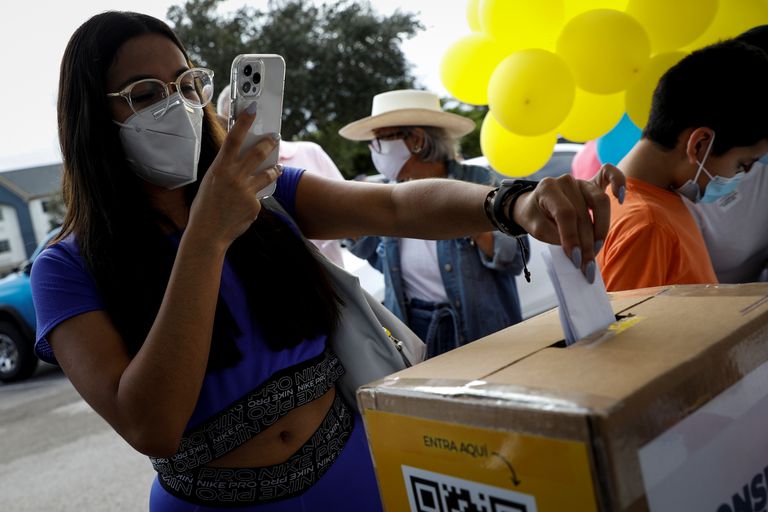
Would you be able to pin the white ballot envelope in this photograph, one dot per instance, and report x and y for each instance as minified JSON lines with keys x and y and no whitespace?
{"x":584,"y":308}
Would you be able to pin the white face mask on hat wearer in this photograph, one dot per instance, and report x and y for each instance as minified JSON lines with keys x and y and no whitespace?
{"x":392,"y":157}
{"x":164,"y":151}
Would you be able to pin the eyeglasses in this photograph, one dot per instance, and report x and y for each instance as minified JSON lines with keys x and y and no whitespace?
{"x":195,"y":88}
{"x":376,"y":142}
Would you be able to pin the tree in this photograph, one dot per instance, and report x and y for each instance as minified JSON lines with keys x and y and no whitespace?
{"x":469,"y":145}
{"x":56,"y":209}
{"x":338,"y":56}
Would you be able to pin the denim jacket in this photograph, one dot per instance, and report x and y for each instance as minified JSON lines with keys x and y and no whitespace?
{"x":481,"y":290}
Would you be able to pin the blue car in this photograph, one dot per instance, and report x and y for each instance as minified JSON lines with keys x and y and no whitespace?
{"x":17,"y":321}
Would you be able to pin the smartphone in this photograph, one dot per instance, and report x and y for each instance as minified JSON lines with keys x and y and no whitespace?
{"x":258,"y":78}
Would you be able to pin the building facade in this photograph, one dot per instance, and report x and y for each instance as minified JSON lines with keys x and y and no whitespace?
{"x":28,"y":200}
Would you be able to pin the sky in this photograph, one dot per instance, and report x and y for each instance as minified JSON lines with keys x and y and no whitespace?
{"x":33,"y":35}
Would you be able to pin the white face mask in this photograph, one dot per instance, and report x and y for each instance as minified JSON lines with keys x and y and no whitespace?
{"x":164,"y":151}
{"x":690,"y":189}
{"x":391,"y":158}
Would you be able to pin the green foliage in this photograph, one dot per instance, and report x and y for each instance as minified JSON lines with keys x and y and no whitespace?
{"x":338,"y":56}
{"x":469,"y":145}
{"x":56,"y":209}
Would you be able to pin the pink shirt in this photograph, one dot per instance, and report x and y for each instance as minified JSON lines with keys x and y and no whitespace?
{"x":310,"y":156}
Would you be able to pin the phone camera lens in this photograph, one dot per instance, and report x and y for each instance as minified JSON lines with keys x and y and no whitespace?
{"x":256,"y":77}
{"x":247,"y":70}
{"x":246,"y":86}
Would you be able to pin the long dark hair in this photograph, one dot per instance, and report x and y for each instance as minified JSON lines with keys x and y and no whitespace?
{"x":119,"y":234}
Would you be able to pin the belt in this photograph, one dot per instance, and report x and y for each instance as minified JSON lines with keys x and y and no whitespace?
{"x":439,"y":311}
{"x":250,"y":415}
{"x":236,"y":487}
{"x":425,"y":305}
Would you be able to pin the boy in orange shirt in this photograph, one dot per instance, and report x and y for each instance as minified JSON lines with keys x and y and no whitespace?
{"x":706,"y":129}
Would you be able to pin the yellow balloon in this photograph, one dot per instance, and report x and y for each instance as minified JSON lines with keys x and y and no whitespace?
{"x":522,"y":23}
{"x":605,"y":49}
{"x":467,"y":66}
{"x":576,"y":7}
{"x":732,"y":18}
{"x":639,"y":95}
{"x":531,"y":92}
{"x":473,"y":15}
{"x":511,"y":154}
{"x":672,"y":25}
{"x":592,"y":115}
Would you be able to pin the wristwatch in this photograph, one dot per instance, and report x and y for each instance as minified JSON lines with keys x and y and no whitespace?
{"x":500,"y":204}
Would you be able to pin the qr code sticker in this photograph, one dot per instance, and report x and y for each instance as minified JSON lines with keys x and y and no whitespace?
{"x":435,"y":492}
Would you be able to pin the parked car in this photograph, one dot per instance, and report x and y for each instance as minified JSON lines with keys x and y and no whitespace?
{"x":17,"y":321}
{"x":557,"y":165}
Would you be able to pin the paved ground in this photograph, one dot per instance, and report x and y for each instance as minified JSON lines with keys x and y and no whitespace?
{"x":56,"y":454}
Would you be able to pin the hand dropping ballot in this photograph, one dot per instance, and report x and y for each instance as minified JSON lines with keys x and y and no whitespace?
{"x":584,"y":307}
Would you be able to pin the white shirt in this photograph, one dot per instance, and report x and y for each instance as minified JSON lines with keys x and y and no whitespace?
{"x":735,"y":228}
{"x":421,"y":270}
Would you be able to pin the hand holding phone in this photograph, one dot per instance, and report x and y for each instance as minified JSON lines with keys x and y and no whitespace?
{"x":258,"y":79}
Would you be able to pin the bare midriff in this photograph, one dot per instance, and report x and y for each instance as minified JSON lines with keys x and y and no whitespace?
{"x":281,"y":440}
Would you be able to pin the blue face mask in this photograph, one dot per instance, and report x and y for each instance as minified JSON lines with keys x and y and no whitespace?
{"x":720,"y":187}
{"x":717,"y":187}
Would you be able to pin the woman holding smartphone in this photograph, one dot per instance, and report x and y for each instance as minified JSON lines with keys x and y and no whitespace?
{"x":184,"y":311}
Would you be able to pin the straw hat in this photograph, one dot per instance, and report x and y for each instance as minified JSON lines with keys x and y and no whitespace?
{"x":407,"y":107}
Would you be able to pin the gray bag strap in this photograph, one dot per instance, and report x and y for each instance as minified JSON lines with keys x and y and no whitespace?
{"x":370,"y":340}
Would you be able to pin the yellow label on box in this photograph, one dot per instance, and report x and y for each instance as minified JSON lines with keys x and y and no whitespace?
{"x":426,"y":465}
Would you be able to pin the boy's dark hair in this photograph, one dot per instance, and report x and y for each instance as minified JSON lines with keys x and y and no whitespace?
{"x":757,"y":36}
{"x":722,"y":87}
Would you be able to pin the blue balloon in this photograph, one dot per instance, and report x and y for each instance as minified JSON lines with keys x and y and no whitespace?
{"x":614,"y":145}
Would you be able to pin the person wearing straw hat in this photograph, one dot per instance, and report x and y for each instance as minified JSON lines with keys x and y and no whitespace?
{"x":449,"y":292}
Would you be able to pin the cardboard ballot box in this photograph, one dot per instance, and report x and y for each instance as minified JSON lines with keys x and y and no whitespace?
{"x":666,"y":410}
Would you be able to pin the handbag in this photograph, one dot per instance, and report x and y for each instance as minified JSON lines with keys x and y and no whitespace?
{"x":369,"y":340}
